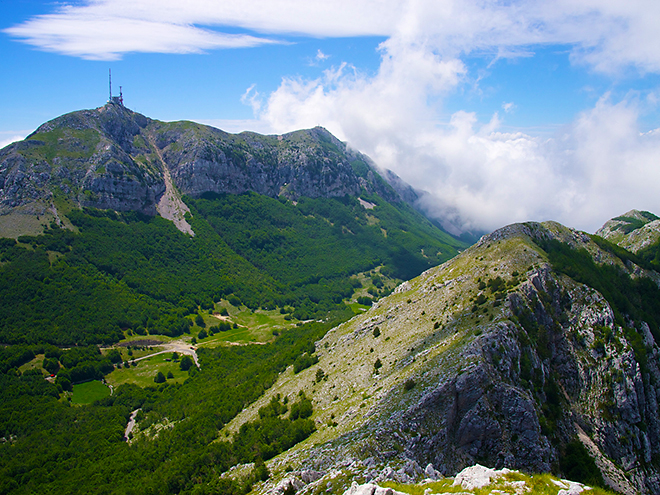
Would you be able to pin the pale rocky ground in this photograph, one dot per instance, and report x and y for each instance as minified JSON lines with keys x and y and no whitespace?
{"x":636,"y":240}
{"x":473,"y":480}
{"x":486,"y":480}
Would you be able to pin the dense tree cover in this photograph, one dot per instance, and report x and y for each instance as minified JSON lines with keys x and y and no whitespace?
{"x":52,"y":446}
{"x":319,"y":241}
{"x":130,"y":272}
{"x":577,"y":464}
{"x":651,"y":254}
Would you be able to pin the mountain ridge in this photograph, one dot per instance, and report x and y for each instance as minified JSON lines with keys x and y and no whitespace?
{"x":114,"y":158}
{"x":497,"y":356}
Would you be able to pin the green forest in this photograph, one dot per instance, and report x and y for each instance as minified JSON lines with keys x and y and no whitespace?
{"x":116,"y":276}
{"x":124,"y":273}
{"x":51,"y":446}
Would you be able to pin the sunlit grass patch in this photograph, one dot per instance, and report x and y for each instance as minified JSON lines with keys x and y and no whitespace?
{"x":252,"y":326}
{"x":88,"y":392}
{"x":35,"y":363}
{"x":144,"y":373}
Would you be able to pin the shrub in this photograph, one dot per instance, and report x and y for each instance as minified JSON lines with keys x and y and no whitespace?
{"x":304,"y":362}
{"x":186,"y":363}
{"x":159,"y":378}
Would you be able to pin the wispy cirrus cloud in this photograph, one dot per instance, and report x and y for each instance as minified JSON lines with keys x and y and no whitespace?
{"x":604,"y":35}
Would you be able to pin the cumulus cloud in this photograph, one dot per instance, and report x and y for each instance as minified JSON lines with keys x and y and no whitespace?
{"x":595,"y":167}
{"x":478,"y":177}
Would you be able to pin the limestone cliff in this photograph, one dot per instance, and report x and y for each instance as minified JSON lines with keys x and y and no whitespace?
{"x":113,"y":158}
{"x":498,"y":357}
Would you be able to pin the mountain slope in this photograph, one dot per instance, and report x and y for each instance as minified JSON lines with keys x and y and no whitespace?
{"x":113,"y":158}
{"x":633,"y":230}
{"x":271,"y":221}
{"x":533,"y":349}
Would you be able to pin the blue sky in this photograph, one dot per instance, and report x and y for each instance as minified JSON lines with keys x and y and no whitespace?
{"x":501,"y":111}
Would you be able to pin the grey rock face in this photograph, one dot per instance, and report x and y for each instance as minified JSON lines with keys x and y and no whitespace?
{"x":113,"y":158}
{"x":508,"y":380}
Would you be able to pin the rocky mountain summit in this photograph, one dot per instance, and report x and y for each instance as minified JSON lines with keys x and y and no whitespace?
{"x":113,"y":158}
{"x":633,"y":231}
{"x":518,"y":353}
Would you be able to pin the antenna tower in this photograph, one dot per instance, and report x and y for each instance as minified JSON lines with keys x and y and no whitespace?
{"x":110,"y":84}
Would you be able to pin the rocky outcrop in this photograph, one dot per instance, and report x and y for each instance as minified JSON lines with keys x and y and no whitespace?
{"x":494,"y":357}
{"x":485,"y":480}
{"x":113,"y":158}
{"x":633,"y":230}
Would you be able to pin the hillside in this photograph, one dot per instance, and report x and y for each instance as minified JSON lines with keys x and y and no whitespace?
{"x":269,"y":313}
{"x":135,"y":226}
{"x":633,"y":231}
{"x":114,"y":158}
{"x":533,"y":349}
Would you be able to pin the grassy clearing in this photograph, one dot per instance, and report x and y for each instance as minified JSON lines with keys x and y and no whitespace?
{"x":253,"y":326}
{"x":358,"y":308}
{"x":134,"y":353}
{"x":88,"y":392}
{"x":16,"y":224}
{"x":143,"y":374}
{"x":34,"y":364}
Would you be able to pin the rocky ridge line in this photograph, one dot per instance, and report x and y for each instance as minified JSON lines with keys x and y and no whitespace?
{"x":468,"y":373}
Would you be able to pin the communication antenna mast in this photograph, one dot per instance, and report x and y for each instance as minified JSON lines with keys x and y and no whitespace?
{"x":114,"y":99}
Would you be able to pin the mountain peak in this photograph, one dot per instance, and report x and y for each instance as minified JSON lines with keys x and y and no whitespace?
{"x":633,"y":230}
{"x":113,"y":158}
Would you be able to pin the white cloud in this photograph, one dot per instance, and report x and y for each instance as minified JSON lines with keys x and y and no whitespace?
{"x":108,"y":38}
{"x":598,"y":166}
{"x":8,"y":137}
{"x":595,"y":168}
{"x":606,"y":35}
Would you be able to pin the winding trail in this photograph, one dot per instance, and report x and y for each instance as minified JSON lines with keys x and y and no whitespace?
{"x":176,"y":346}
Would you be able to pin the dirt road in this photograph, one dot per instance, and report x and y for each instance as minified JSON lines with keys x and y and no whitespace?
{"x":177,"y":346}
